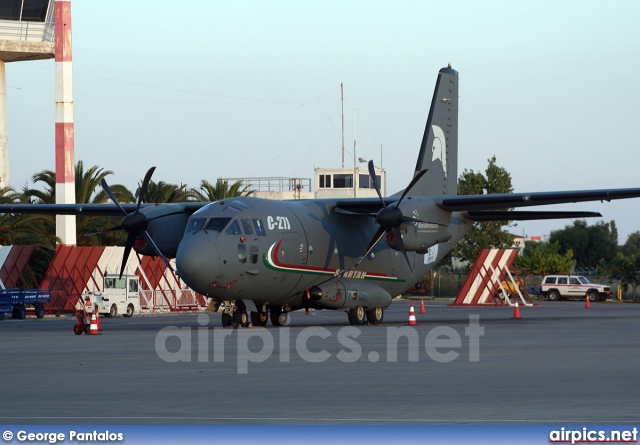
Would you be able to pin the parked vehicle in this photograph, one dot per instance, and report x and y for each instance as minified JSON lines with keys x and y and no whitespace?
{"x":119,"y":295}
{"x":16,"y":301}
{"x":556,"y":287}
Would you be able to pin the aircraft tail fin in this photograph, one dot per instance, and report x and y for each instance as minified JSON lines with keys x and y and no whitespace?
{"x":439,"y":148}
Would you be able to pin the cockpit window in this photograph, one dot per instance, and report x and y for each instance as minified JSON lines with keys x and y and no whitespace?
{"x":236,"y":207}
{"x":233,"y":229}
{"x":195,"y":224}
{"x":246,"y":226}
{"x":257,"y":223}
{"x":217,"y":224}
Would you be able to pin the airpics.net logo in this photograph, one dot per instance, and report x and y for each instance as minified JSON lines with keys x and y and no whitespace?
{"x":441,"y":344}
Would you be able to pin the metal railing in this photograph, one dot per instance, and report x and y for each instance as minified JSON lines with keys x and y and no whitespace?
{"x":274,"y":184}
{"x":26,"y":31}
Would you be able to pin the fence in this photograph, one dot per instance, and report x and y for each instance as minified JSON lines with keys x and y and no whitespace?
{"x":448,"y":284}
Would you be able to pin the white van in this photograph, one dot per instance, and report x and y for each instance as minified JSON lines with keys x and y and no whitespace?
{"x":119,"y":296}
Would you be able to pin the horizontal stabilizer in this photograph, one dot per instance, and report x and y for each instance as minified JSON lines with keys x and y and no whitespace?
{"x":505,"y":215}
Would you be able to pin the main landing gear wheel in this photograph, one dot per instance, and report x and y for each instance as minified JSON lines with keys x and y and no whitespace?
{"x":259,"y":318}
{"x":375,"y":315}
{"x":357,"y":315}
{"x":240,"y":318}
{"x":279,"y":318}
{"x":226,"y":320}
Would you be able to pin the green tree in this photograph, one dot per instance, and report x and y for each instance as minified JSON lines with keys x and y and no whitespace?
{"x":545,"y":258}
{"x":485,"y":234}
{"x":590,"y":244}
{"x":221,"y":189}
{"x":625,"y":268}
{"x":632,"y":245}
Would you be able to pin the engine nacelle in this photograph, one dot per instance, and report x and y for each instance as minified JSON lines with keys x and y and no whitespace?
{"x":420,"y":236}
{"x":343,"y":293}
{"x":166,"y":226}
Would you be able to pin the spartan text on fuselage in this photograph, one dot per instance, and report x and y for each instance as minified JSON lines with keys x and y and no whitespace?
{"x":352,"y":274}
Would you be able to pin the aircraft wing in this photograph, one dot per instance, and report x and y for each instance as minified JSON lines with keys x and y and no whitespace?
{"x":510,"y":200}
{"x":515,"y":215}
{"x":90,"y":209}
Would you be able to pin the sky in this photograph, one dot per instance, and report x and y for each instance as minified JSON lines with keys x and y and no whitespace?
{"x":204,"y":90}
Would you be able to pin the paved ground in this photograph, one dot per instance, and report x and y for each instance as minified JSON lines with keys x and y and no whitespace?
{"x":559,"y":363}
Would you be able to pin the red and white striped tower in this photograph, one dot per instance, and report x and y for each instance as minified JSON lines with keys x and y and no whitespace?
{"x":65,"y":160}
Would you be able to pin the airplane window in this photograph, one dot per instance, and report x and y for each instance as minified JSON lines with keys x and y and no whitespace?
{"x":257,"y":223}
{"x":246,"y":227}
{"x":195,"y":224}
{"x":242,"y":253}
{"x":253,"y":254}
{"x":236,"y":207}
{"x":217,"y":224}
{"x":233,"y":229}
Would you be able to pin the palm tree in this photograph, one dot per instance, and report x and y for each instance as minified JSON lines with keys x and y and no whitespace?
{"x":87,"y":192}
{"x":21,"y":229}
{"x":164,"y":192}
{"x":221,"y":190}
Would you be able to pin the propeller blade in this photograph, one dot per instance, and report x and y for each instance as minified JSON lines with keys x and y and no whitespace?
{"x":372,"y":173}
{"x":143,"y":187}
{"x":398,"y":237}
{"x":108,"y":191}
{"x":149,"y":240}
{"x":379,"y":234}
{"x":127,"y":250}
{"x":413,"y":182}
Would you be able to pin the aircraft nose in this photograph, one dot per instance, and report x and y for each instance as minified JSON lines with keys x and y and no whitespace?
{"x":197,"y":263}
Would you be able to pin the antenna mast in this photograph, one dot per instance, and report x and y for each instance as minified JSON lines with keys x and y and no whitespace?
{"x":342,"y":104}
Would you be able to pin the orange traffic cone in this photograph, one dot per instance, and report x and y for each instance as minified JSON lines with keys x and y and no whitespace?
{"x":516,"y":311}
{"x":422,"y":311}
{"x":412,"y":317}
{"x":588,"y":303}
{"x":98,"y":320}
{"x":93,"y":328}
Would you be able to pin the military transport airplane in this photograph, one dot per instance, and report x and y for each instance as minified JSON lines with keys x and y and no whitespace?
{"x":266,"y":258}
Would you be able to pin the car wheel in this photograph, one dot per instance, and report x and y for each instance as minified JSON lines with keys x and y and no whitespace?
{"x":553,"y":295}
{"x":593,"y":296}
{"x":129,"y":312}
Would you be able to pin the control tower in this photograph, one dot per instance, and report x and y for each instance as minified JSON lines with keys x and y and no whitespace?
{"x":26,"y":33}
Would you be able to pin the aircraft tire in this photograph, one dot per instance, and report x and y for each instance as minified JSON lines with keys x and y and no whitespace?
{"x":375,"y":315}
{"x":357,"y":316}
{"x":259,"y":318}
{"x":279,"y":318}
{"x":240,"y":318}
{"x":226,"y":320}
